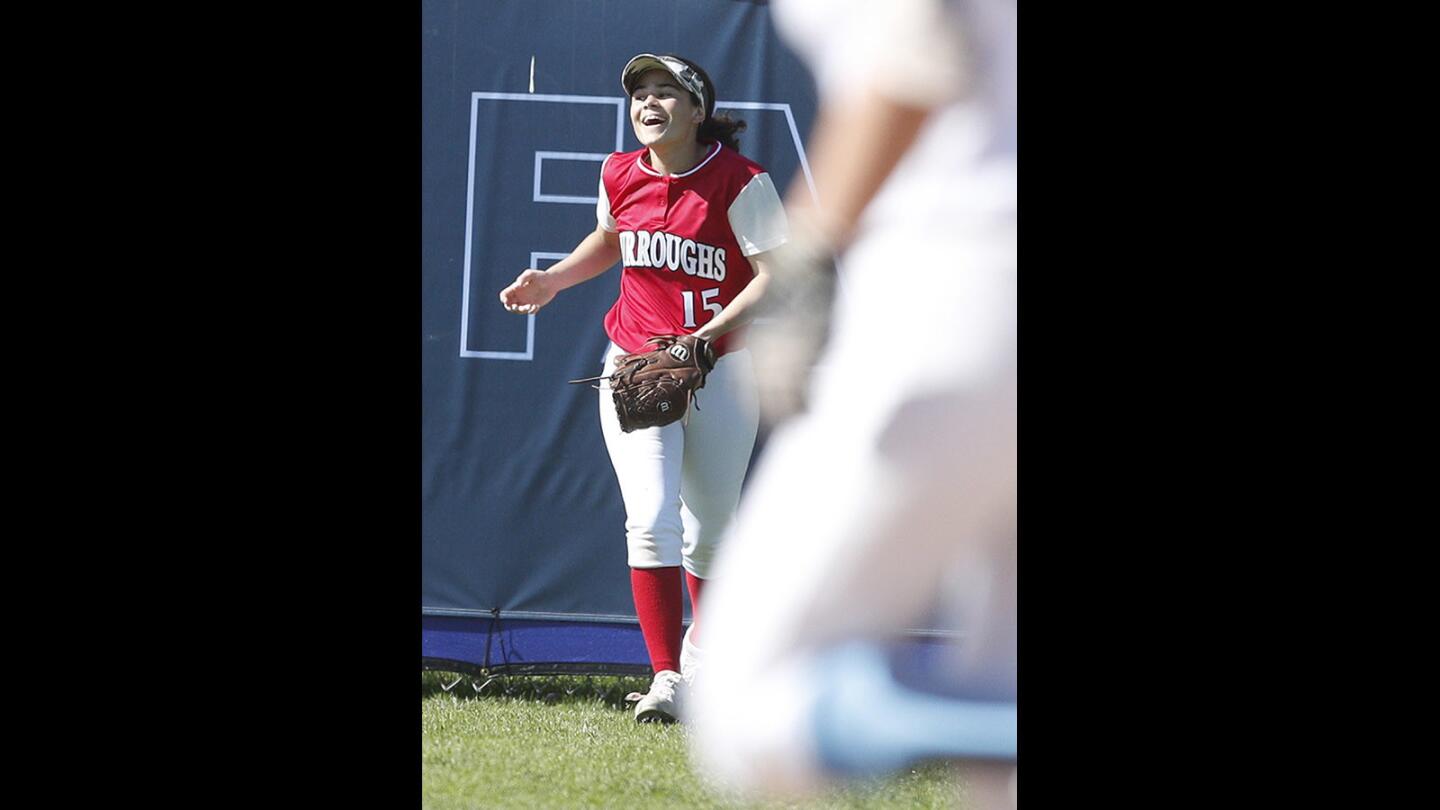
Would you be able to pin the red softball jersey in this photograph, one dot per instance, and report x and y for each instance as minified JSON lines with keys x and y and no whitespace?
{"x":684,"y":239}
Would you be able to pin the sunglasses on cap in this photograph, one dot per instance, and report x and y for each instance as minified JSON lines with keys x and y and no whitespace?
{"x":683,"y":73}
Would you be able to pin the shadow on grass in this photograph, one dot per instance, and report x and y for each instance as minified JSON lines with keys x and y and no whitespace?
{"x":551,"y":689}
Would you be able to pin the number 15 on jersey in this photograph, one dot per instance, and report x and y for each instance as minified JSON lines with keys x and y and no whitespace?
{"x":705,"y":296}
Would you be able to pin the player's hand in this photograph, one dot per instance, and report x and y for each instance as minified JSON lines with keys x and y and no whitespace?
{"x":785,"y":350}
{"x":529,"y":292}
{"x":792,"y":329}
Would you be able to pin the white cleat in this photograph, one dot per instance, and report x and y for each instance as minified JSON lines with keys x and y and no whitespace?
{"x":662,"y":703}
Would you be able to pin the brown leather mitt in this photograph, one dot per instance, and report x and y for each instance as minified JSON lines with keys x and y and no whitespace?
{"x":654,"y":388}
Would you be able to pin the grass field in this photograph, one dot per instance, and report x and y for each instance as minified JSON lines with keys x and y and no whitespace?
{"x":570,"y":742}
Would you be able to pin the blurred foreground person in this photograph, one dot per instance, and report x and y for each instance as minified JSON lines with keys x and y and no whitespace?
{"x":885,"y":500}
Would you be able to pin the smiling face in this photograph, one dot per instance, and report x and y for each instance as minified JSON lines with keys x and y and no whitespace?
{"x":662,"y":112}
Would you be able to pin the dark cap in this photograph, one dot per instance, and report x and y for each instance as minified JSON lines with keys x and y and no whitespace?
{"x":688,"y":77}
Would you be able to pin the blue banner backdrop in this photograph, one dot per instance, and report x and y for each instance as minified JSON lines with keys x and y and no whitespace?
{"x":522,"y":521}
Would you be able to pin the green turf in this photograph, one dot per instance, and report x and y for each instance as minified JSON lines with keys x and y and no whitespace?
{"x":570,"y":742}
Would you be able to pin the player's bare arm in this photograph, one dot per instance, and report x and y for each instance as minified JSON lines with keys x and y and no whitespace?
{"x":742,"y":310}
{"x":855,"y":147}
{"x":533,"y":289}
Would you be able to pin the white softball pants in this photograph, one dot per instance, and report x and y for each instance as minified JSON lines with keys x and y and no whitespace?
{"x":876,"y":504}
{"x":681,"y":483}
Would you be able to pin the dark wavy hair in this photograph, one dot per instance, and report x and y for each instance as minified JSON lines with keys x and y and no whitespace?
{"x":722,"y":128}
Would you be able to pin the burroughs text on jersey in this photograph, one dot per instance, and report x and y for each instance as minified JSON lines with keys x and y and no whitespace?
{"x":667,"y":251}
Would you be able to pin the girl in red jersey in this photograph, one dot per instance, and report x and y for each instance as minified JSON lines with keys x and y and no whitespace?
{"x":690,"y":220}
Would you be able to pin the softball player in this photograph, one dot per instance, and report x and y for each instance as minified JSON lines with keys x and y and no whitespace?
{"x":893,"y":494}
{"x":690,"y":220}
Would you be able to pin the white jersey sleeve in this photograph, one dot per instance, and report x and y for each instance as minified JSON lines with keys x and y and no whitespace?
{"x":758,"y":218}
{"x":602,"y":204}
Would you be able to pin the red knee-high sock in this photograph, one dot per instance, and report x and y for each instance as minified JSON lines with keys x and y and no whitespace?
{"x":695,"y":584}
{"x":658,"y":604}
